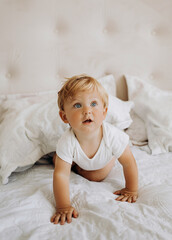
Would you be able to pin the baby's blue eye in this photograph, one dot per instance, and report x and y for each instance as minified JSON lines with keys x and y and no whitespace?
{"x":93,"y":104}
{"x":77,"y":105}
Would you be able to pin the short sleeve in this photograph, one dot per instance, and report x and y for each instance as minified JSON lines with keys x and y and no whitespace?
{"x":65,"y":146}
{"x":117,"y":140}
{"x":123,"y":141}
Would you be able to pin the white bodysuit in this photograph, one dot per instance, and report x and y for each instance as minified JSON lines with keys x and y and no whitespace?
{"x":113,"y":143}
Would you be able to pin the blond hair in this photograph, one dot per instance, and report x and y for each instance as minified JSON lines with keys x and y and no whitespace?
{"x":77,"y":84}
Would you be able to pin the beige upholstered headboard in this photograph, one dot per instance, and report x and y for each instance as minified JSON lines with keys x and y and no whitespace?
{"x":43,"y":41}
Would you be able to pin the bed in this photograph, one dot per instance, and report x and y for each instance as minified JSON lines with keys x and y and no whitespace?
{"x":127,"y":46}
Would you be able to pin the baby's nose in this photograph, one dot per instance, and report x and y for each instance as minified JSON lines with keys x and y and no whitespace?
{"x":86,"y":110}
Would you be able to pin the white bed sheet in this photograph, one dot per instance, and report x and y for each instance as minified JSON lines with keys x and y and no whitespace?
{"x":27,"y":203}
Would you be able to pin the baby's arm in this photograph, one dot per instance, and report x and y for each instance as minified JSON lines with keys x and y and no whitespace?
{"x":129,"y":193}
{"x":64,"y":210}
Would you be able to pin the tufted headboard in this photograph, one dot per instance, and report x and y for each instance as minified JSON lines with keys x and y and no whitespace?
{"x":43,"y":41}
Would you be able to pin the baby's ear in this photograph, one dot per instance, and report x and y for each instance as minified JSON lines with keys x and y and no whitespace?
{"x":105,"y":111}
{"x":63,"y":116}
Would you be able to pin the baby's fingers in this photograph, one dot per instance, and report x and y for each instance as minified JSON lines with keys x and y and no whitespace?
{"x":69,"y":217}
{"x":124,"y":198}
{"x":63,"y":219}
{"x":120,"y":198}
{"x":118,"y":192}
{"x":75,"y":213}
{"x":71,"y":214}
{"x":64,"y":215}
{"x":134,"y":198}
{"x":129,"y":199}
{"x":55,"y":219}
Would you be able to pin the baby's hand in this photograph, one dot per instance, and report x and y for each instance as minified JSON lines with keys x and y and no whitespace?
{"x":64,"y":214}
{"x":126,"y":195}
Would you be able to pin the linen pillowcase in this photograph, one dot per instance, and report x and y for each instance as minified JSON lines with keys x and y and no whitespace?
{"x":30,"y":128}
{"x":119,"y":112}
{"x":154,"y":106}
{"x":137,"y":130}
{"x":109,"y":83}
{"x":28,"y":133}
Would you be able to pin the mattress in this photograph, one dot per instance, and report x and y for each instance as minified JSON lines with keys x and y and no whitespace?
{"x":27,"y":204}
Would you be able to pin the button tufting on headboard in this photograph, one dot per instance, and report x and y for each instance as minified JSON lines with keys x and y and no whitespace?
{"x":8,"y":75}
{"x":105,"y":30}
{"x":42,"y":42}
{"x":154,"y":32}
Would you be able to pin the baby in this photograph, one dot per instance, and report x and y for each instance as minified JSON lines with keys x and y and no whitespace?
{"x":90,"y":146}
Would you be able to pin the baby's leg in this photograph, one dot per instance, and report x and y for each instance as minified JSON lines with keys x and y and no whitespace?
{"x":95,"y":175}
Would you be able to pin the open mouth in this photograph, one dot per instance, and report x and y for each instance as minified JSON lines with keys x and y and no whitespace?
{"x":87,"y":121}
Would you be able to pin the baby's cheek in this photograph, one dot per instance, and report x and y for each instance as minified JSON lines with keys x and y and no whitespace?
{"x":101,"y":116}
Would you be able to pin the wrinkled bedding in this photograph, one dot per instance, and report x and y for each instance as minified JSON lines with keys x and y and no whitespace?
{"x":27,"y":203}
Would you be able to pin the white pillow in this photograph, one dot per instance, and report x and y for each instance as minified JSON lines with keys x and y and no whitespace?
{"x":154,"y":106}
{"x":27,"y":134}
{"x":109,"y":83}
{"x":31,"y":126}
{"x":137,"y":130}
{"x":119,"y":112}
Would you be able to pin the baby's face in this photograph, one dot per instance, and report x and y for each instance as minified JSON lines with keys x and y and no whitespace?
{"x":85,"y":112}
